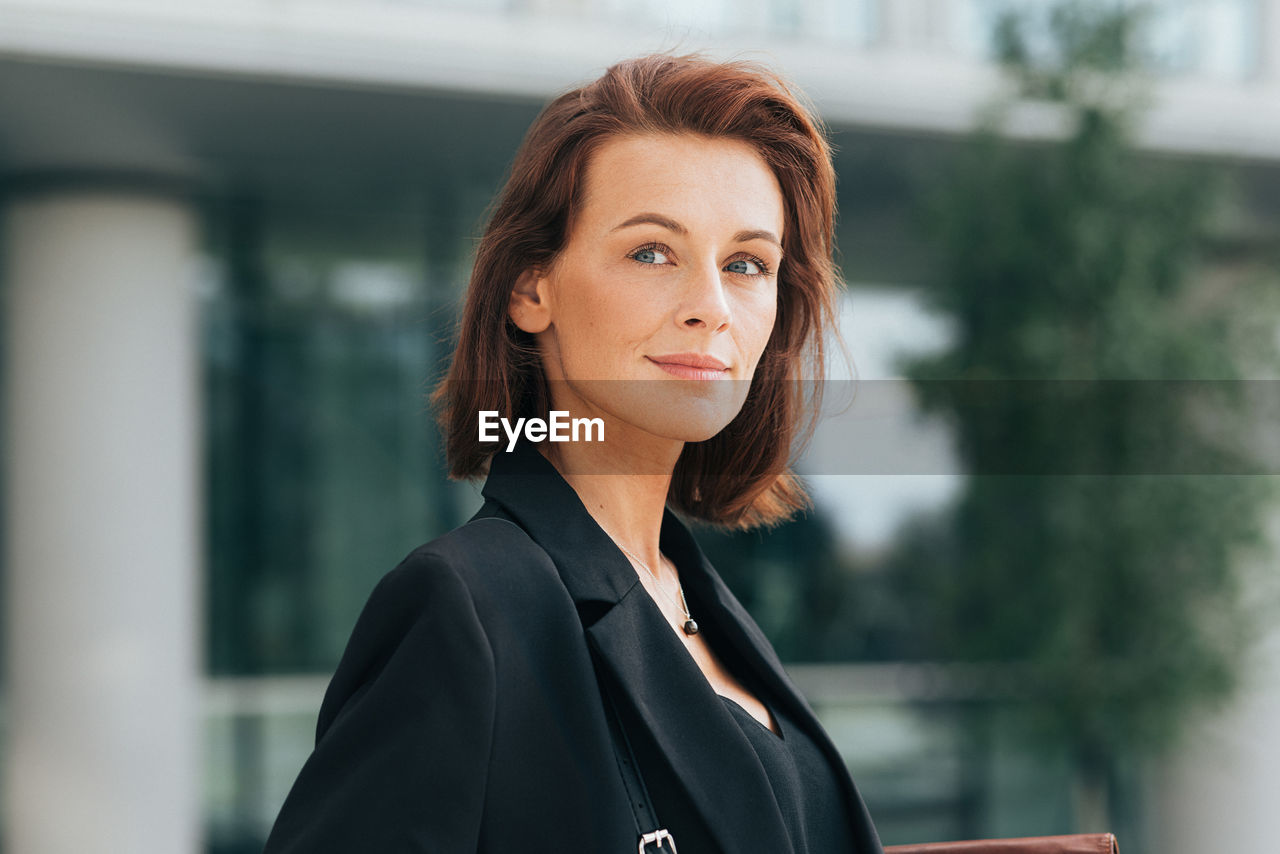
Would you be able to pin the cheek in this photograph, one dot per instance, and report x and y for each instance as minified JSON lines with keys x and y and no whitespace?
{"x":760,"y":315}
{"x":600,"y":319}
{"x":621,"y":307}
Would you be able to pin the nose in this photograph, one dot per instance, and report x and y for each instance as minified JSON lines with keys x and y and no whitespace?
{"x":705,"y":303}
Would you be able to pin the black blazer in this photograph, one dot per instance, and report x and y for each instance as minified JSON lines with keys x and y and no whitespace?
{"x":465,"y":714}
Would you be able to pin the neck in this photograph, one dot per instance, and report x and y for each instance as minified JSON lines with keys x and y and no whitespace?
{"x":623,"y":485}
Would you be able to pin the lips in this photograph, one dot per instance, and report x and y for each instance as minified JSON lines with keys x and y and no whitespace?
{"x":692,"y":366}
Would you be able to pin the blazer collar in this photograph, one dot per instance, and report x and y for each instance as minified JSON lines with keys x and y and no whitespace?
{"x":635,"y":644}
{"x":530,"y":488}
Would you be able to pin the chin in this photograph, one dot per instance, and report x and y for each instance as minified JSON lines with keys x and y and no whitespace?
{"x":689,"y":421}
{"x":686,"y":412}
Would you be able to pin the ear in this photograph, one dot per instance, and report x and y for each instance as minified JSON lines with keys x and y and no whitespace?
{"x":530,"y":306}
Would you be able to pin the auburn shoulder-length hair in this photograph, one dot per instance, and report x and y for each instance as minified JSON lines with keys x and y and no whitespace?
{"x":741,"y":477}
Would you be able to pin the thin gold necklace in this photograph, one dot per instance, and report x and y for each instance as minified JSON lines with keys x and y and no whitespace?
{"x":690,"y":626}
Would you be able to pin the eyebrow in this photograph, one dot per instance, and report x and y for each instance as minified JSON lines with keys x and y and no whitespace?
{"x":671,"y":225}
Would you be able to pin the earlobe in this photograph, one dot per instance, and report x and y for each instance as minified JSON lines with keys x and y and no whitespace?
{"x":528,"y":307}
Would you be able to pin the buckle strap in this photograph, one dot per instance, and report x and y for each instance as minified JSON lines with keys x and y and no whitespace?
{"x":641,"y":807}
{"x":656,"y":838}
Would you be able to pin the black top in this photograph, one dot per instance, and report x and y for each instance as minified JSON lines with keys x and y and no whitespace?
{"x":803,"y":785}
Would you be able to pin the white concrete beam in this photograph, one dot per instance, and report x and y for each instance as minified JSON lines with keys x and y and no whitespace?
{"x":914,"y":82}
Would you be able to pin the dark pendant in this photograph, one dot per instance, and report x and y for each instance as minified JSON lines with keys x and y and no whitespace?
{"x":690,"y":627}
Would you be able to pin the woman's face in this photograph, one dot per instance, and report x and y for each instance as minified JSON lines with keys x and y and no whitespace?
{"x":655,"y":313}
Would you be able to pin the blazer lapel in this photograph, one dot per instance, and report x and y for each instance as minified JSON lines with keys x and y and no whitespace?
{"x":634,"y":643}
{"x":635,"y":647}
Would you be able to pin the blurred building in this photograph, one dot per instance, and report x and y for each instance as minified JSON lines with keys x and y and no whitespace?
{"x":234,"y":234}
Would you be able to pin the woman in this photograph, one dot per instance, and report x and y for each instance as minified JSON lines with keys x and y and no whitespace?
{"x":659,"y":261}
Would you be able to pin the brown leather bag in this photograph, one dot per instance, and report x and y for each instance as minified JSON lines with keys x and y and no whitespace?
{"x":1080,"y":843}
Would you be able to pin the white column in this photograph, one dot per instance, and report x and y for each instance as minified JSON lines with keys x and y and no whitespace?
{"x":1218,"y":791}
{"x":1269,"y":41}
{"x":102,"y":525}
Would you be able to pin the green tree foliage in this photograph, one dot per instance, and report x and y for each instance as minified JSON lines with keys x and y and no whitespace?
{"x":1108,"y":599}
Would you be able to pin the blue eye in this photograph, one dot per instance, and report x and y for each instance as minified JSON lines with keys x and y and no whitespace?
{"x":655,"y":254}
{"x":649,"y":255}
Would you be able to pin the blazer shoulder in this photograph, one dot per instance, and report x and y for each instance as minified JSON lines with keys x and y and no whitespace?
{"x":450,"y":576}
{"x":480,"y":549}
{"x":402,"y":620}
{"x":494,"y":559}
